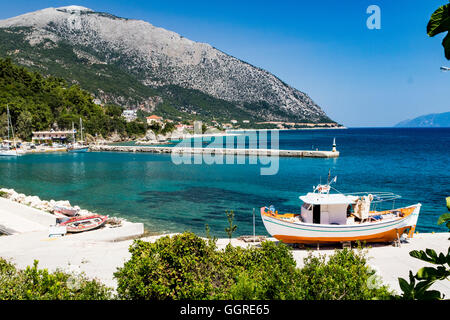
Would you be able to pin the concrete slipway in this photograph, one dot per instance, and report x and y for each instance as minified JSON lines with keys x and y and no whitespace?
{"x":99,"y":253}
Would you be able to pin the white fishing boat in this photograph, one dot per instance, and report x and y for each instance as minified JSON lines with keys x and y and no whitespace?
{"x":8,"y":147}
{"x":336,"y":217}
{"x":78,"y":146}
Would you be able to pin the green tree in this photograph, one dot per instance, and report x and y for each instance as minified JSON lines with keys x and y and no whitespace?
{"x":3,"y":126}
{"x":39,"y":284}
{"x":113,"y":110}
{"x":24,"y":126}
{"x":231,"y":227}
{"x":185,"y":266}
{"x":440,"y":22}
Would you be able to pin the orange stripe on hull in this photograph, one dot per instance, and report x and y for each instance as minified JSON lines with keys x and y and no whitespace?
{"x":386,"y":236}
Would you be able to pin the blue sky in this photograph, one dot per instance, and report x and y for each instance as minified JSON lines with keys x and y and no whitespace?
{"x":360,"y":77}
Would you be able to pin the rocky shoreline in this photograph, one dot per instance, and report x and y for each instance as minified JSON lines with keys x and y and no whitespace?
{"x":50,"y":206}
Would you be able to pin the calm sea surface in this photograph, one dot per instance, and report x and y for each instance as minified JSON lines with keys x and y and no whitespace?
{"x":150,"y":188}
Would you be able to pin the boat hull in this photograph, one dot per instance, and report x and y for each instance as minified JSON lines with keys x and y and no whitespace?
{"x":81,"y":224}
{"x":299,"y":232}
{"x":78,"y":150}
{"x":71,"y":212}
{"x":8,"y":153}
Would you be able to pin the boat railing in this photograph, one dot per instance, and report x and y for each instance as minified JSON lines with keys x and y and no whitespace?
{"x":377,"y":196}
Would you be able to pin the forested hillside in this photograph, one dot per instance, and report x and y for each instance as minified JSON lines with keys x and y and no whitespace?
{"x":41,"y":103}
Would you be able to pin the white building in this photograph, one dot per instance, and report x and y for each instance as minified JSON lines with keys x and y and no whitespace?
{"x":129,"y":115}
{"x":154,"y":119}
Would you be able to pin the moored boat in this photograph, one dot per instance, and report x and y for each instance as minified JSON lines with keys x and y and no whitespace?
{"x":335,"y":217}
{"x":80,"y":224}
{"x":77,"y":146}
{"x":8,"y":147}
{"x":67,"y":211}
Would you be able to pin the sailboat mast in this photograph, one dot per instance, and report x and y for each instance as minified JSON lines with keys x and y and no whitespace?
{"x":12,"y":128}
{"x":7,"y":117}
{"x":81,"y":128}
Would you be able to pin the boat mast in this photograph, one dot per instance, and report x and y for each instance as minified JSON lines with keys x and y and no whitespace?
{"x":81,"y":128}
{"x":12,"y":128}
{"x":7,"y":117}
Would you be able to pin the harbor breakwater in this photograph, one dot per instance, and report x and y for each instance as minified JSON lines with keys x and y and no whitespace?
{"x":219,"y":151}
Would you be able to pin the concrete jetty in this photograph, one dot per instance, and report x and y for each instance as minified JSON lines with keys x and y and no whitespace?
{"x":16,"y":218}
{"x":219,"y":151}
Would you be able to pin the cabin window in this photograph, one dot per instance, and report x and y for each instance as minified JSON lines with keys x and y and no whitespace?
{"x":316,"y":214}
{"x":307,"y":206}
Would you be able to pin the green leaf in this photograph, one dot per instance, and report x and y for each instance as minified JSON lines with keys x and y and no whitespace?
{"x":432,"y":274}
{"x":422,"y":286}
{"x":431,"y":295}
{"x":421,"y":255}
{"x":404,"y":285}
{"x":432,"y":254}
{"x":446,"y":216}
{"x":439,"y":21}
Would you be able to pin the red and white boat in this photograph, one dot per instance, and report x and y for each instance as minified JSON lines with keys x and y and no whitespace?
{"x":337,"y":217}
{"x":67,"y":211}
{"x":79,"y":224}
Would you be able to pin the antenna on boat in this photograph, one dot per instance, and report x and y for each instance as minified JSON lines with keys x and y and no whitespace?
{"x":325,"y":188}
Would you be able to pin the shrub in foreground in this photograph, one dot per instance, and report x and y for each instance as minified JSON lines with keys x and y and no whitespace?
{"x":345,"y":275}
{"x":188,"y":267}
{"x":38,"y":284}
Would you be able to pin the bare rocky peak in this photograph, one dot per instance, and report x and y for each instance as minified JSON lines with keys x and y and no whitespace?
{"x":159,"y":57}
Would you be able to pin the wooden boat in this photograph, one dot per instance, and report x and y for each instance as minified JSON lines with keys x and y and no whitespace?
{"x":67,"y":211}
{"x":80,"y":224}
{"x":337,"y":217}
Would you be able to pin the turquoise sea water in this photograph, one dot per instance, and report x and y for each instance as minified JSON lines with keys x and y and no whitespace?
{"x":150,"y":188}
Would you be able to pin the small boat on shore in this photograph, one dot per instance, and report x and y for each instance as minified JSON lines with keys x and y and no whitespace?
{"x":67,"y":211}
{"x":80,"y":224}
{"x":335,"y":217}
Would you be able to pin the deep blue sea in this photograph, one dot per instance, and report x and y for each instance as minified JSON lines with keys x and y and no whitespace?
{"x":150,"y":188}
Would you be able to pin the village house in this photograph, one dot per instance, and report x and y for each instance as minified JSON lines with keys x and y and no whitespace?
{"x":50,"y":136}
{"x":154,"y":119}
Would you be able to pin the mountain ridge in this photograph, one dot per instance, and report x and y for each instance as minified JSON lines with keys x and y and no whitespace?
{"x":152,"y":57}
{"x":432,"y":120}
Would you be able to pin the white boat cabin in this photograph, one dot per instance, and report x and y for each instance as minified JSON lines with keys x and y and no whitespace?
{"x":338,"y":209}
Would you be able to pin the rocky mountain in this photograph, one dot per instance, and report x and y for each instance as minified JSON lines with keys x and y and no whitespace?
{"x":133,"y":63}
{"x":434,"y":120}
